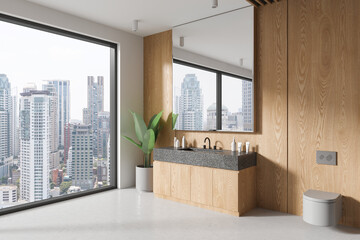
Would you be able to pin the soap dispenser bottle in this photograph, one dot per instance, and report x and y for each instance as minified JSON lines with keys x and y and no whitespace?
{"x":183,"y":142}
{"x":233,"y":145}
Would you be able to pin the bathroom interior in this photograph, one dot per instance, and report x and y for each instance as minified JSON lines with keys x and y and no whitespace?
{"x":283,"y":76}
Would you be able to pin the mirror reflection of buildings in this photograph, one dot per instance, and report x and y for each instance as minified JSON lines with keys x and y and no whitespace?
{"x":189,"y":106}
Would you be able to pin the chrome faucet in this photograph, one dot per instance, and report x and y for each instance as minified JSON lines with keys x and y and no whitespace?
{"x":207,"y":138}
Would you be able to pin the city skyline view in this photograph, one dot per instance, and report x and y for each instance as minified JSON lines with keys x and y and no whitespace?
{"x":54,"y":115}
{"x":194,"y":99}
{"x":40,"y":56}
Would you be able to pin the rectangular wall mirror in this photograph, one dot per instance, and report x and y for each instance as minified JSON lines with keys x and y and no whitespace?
{"x":213,"y":65}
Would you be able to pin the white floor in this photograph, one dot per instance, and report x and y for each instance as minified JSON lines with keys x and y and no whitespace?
{"x":127,"y":214}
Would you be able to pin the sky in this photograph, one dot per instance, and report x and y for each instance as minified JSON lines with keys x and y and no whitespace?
{"x":32,"y":56}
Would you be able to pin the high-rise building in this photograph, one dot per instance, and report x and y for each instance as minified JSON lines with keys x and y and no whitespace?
{"x":95,"y":104}
{"x":191,"y":104}
{"x":103,"y":133}
{"x":211,"y":117}
{"x":62,"y":88}
{"x":86,"y":116}
{"x":54,"y":119}
{"x":5,"y":118}
{"x":8,"y":194}
{"x":67,"y":141}
{"x":247,"y":105}
{"x":102,"y":171}
{"x":82,"y":156}
{"x":67,"y":137}
{"x":35,"y":121}
{"x":15,"y":127}
{"x":108,"y":162}
{"x":69,"y":164}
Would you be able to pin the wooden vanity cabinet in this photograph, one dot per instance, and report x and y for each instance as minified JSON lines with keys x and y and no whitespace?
{"x":227,"y":191}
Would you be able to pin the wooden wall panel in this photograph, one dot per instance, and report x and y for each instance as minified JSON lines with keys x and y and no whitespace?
{"x":271,"y":102}
{"x":158,"y":82}
{"x":317,"y":105}
{"x":270,"y":140}
{"x":271,"y":70}
{"x":324,"y":100}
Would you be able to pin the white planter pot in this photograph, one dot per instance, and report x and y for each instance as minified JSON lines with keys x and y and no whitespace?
{"x":144,"y":178}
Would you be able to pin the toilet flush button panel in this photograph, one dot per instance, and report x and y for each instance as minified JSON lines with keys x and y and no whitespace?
{"x":326,"y":157}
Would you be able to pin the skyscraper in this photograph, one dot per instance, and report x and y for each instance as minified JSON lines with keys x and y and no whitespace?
{"x":15,"y":126}
{"x":103,"y":133}
{"x":69,"y":164}
{"x":5,"y":118}
{"x":54,"y":119}
{"x":86,"y":116}
{"x":81,"y":156}
{"x":67,"y":138}
{"x":62,"y":88}
{"x":247,"y":106}
{"x":95,"y":104}
{"x":108,"y":161}
{"x":191,"y":104}
{"x":35,"y":146}
{"x":67,"y":141}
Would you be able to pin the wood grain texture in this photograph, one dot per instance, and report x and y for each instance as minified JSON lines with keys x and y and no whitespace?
{"x":230,"y":192}
{"x":161,"y":178}
{"x":158,"y":81}
{"x":225,"y":186}
{"x":180,"y":181}
{"x":271,"y":78}
{"x":198,"y":205}
{"x":201,"y":185}
{"x":247,"y":190}
{"x":270,"y":140}
{"x":324,"y":101}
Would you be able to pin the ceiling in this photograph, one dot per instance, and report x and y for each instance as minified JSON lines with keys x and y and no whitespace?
{"x":154,"y":15}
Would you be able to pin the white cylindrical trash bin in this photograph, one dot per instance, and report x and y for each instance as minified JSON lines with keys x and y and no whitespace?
{"x":321,"y":208}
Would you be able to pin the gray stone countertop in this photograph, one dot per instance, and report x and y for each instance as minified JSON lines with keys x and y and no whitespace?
{"x":223,"y":159}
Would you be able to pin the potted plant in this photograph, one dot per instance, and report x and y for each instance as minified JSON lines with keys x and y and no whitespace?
{"x":146,"y":136}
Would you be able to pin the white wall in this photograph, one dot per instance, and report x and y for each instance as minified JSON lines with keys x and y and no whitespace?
{"x":201,"y":60}
{"x":130,"y":71}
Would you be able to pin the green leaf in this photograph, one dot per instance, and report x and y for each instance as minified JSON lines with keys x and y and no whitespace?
{"x":149,"y":141}
{"x":132,"y":141}
{"x":155,"y":120}
{"x":140,"y":126}
{"x":152,"y":119}
{"x":174,"y":119}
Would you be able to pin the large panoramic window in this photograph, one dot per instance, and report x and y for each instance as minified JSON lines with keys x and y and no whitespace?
{"x":201,"y":94}
{"x":56,"y":117}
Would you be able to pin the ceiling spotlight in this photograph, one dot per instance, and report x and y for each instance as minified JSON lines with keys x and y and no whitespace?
{"x":181,"y":41}
{"x":135,"y":25}
{"x":215,"y":3}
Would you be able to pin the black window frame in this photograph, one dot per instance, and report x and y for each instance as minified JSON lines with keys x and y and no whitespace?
{"x":219,"y":75}
{"x":113,"y":110}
